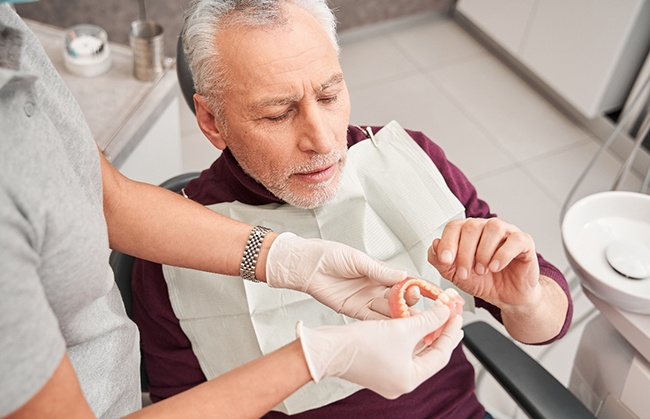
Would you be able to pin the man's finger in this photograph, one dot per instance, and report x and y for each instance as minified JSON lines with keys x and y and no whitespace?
{"x":516,"y":244}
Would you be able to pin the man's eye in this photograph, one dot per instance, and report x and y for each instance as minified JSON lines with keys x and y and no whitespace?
{"x":328,"y":99}
{"x":278,"y":118}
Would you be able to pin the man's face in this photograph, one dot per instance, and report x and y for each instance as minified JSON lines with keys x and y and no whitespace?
{"x":286,"y":109}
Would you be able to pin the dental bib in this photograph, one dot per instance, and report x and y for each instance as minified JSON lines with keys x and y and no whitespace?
{"x":392,"y":202}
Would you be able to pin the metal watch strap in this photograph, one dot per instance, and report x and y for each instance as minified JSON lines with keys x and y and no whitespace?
{"x":252,"y":251}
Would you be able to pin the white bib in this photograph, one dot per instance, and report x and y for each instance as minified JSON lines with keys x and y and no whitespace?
{"x":392,"y":202}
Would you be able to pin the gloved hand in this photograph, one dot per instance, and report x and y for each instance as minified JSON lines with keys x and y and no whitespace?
{"x":339,"y":276}
{"x":382,"y":355}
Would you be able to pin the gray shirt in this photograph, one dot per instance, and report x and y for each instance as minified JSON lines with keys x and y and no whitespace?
{"x":57,"y":292}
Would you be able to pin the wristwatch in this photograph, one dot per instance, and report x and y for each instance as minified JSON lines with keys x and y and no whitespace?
{"x":252,"y":251}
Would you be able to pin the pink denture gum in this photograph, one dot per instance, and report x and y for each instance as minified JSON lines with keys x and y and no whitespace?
{"x":399,"y":308}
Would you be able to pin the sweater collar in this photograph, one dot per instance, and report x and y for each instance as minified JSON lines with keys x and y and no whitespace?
{"x":226,"y":181}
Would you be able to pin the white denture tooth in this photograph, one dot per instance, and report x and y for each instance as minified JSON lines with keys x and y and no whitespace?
{"x":444,"y":298}
{"x":452,"y":292}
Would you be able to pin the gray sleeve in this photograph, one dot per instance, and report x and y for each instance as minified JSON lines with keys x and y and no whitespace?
{"x":31,"y":344}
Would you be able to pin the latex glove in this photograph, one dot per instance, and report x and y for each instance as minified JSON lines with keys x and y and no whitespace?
{"x":339,"y":276}
{"x":381,"y":355}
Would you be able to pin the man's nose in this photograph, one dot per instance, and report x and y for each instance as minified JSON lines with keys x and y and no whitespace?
{"x":315,"y":135}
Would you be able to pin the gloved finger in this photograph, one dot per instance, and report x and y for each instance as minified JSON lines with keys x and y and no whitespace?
{"x":436,"y":356}
{"x":367,"y":313}
{"x":414,"y":311}
{"x":375,"y":269}
{"x":453,"y":333}
{"x":379,"y":308}
{"x":412,"y":295}
{"x":373,"y":315}
{"x":423,"y":345}
{"x":382,"y":306}
{"x":429,"y":320}
{"x":450,"y":337}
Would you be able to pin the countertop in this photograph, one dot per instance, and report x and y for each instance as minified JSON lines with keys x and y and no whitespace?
{"x":119,"y":108}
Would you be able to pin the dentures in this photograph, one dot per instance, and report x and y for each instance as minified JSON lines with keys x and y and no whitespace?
{"x":399,"y":308}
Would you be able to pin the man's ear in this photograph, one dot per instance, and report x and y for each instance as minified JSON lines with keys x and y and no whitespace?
{"x":207,"y":122}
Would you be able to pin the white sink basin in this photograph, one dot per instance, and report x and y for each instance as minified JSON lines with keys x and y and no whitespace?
{"x":611,"y":230}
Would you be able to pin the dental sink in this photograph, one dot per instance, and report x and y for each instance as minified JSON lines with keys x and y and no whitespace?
{"x":606,"y":238}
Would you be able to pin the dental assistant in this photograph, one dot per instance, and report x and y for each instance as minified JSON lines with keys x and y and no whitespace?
{"x":67,"y":348}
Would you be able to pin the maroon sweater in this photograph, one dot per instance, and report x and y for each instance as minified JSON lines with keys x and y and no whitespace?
{"x":172,"y":366}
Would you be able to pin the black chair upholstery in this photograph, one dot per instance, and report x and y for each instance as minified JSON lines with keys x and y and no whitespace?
{"x":177,"y":183}
{"x":533,"y":388}
{"x":184,"y":74}
{"x":122,"y":265}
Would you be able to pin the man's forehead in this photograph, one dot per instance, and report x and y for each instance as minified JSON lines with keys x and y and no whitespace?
{"x":287,"y":98}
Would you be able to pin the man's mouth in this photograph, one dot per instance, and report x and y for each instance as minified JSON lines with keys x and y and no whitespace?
{"x":321,"y":174}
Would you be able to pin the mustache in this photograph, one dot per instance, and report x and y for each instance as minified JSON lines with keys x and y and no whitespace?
{"x":319,"y":161}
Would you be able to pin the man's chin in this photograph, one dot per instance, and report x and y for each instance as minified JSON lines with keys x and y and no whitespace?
{"x":308,"y":195}
{"x":312,"y":195}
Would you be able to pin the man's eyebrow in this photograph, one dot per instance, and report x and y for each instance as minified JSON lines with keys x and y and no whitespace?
{"x":335,"y":79}
{"x":288,"y":100}
{"x":274,"y":101}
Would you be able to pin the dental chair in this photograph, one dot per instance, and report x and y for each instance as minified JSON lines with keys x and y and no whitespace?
{"x":184,"y":74}
{"x":531,"y":386}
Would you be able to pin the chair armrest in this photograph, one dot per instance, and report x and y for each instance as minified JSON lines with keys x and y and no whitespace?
{"x":531,"y":386}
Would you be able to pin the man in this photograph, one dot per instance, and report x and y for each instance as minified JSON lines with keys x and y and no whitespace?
{"x":271,"y":95}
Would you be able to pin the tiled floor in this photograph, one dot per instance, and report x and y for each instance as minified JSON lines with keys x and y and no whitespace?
{"x":521,"y":153}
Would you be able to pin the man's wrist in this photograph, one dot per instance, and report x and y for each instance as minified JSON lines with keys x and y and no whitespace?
{"x":541,"y":321}
{"x":525,"y":310}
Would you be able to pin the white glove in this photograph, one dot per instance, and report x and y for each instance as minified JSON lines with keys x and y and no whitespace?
{"x":382,"y":355}
{"x":339,"y":276}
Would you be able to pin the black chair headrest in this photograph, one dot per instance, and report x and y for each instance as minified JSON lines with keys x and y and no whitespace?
{"x":184,"y":74}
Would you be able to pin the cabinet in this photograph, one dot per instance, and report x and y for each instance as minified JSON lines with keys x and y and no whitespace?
{"x":135,"y":124}
{"x":587,"y":51}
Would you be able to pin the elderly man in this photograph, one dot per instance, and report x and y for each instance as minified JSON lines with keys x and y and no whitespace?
{"x":272,"y":96}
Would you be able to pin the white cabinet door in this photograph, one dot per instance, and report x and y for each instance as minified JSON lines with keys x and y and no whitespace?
{"x":505,"y":21}
{"x":587,"y":51}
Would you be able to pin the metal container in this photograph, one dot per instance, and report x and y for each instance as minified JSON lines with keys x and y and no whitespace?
{"x":146,"y":39}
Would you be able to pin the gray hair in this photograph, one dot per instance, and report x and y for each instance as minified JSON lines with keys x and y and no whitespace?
{"x":206,"y":18}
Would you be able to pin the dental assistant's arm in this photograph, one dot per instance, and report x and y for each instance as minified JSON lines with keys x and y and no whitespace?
{"x":153,"y":223}
{"x":352,"y":352}
{"x":246,"y":392}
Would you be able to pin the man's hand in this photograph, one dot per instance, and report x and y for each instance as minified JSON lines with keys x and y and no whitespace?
{"x":489,"y":259}
{"x":344,"y":279}
{"x":497,"y":262}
